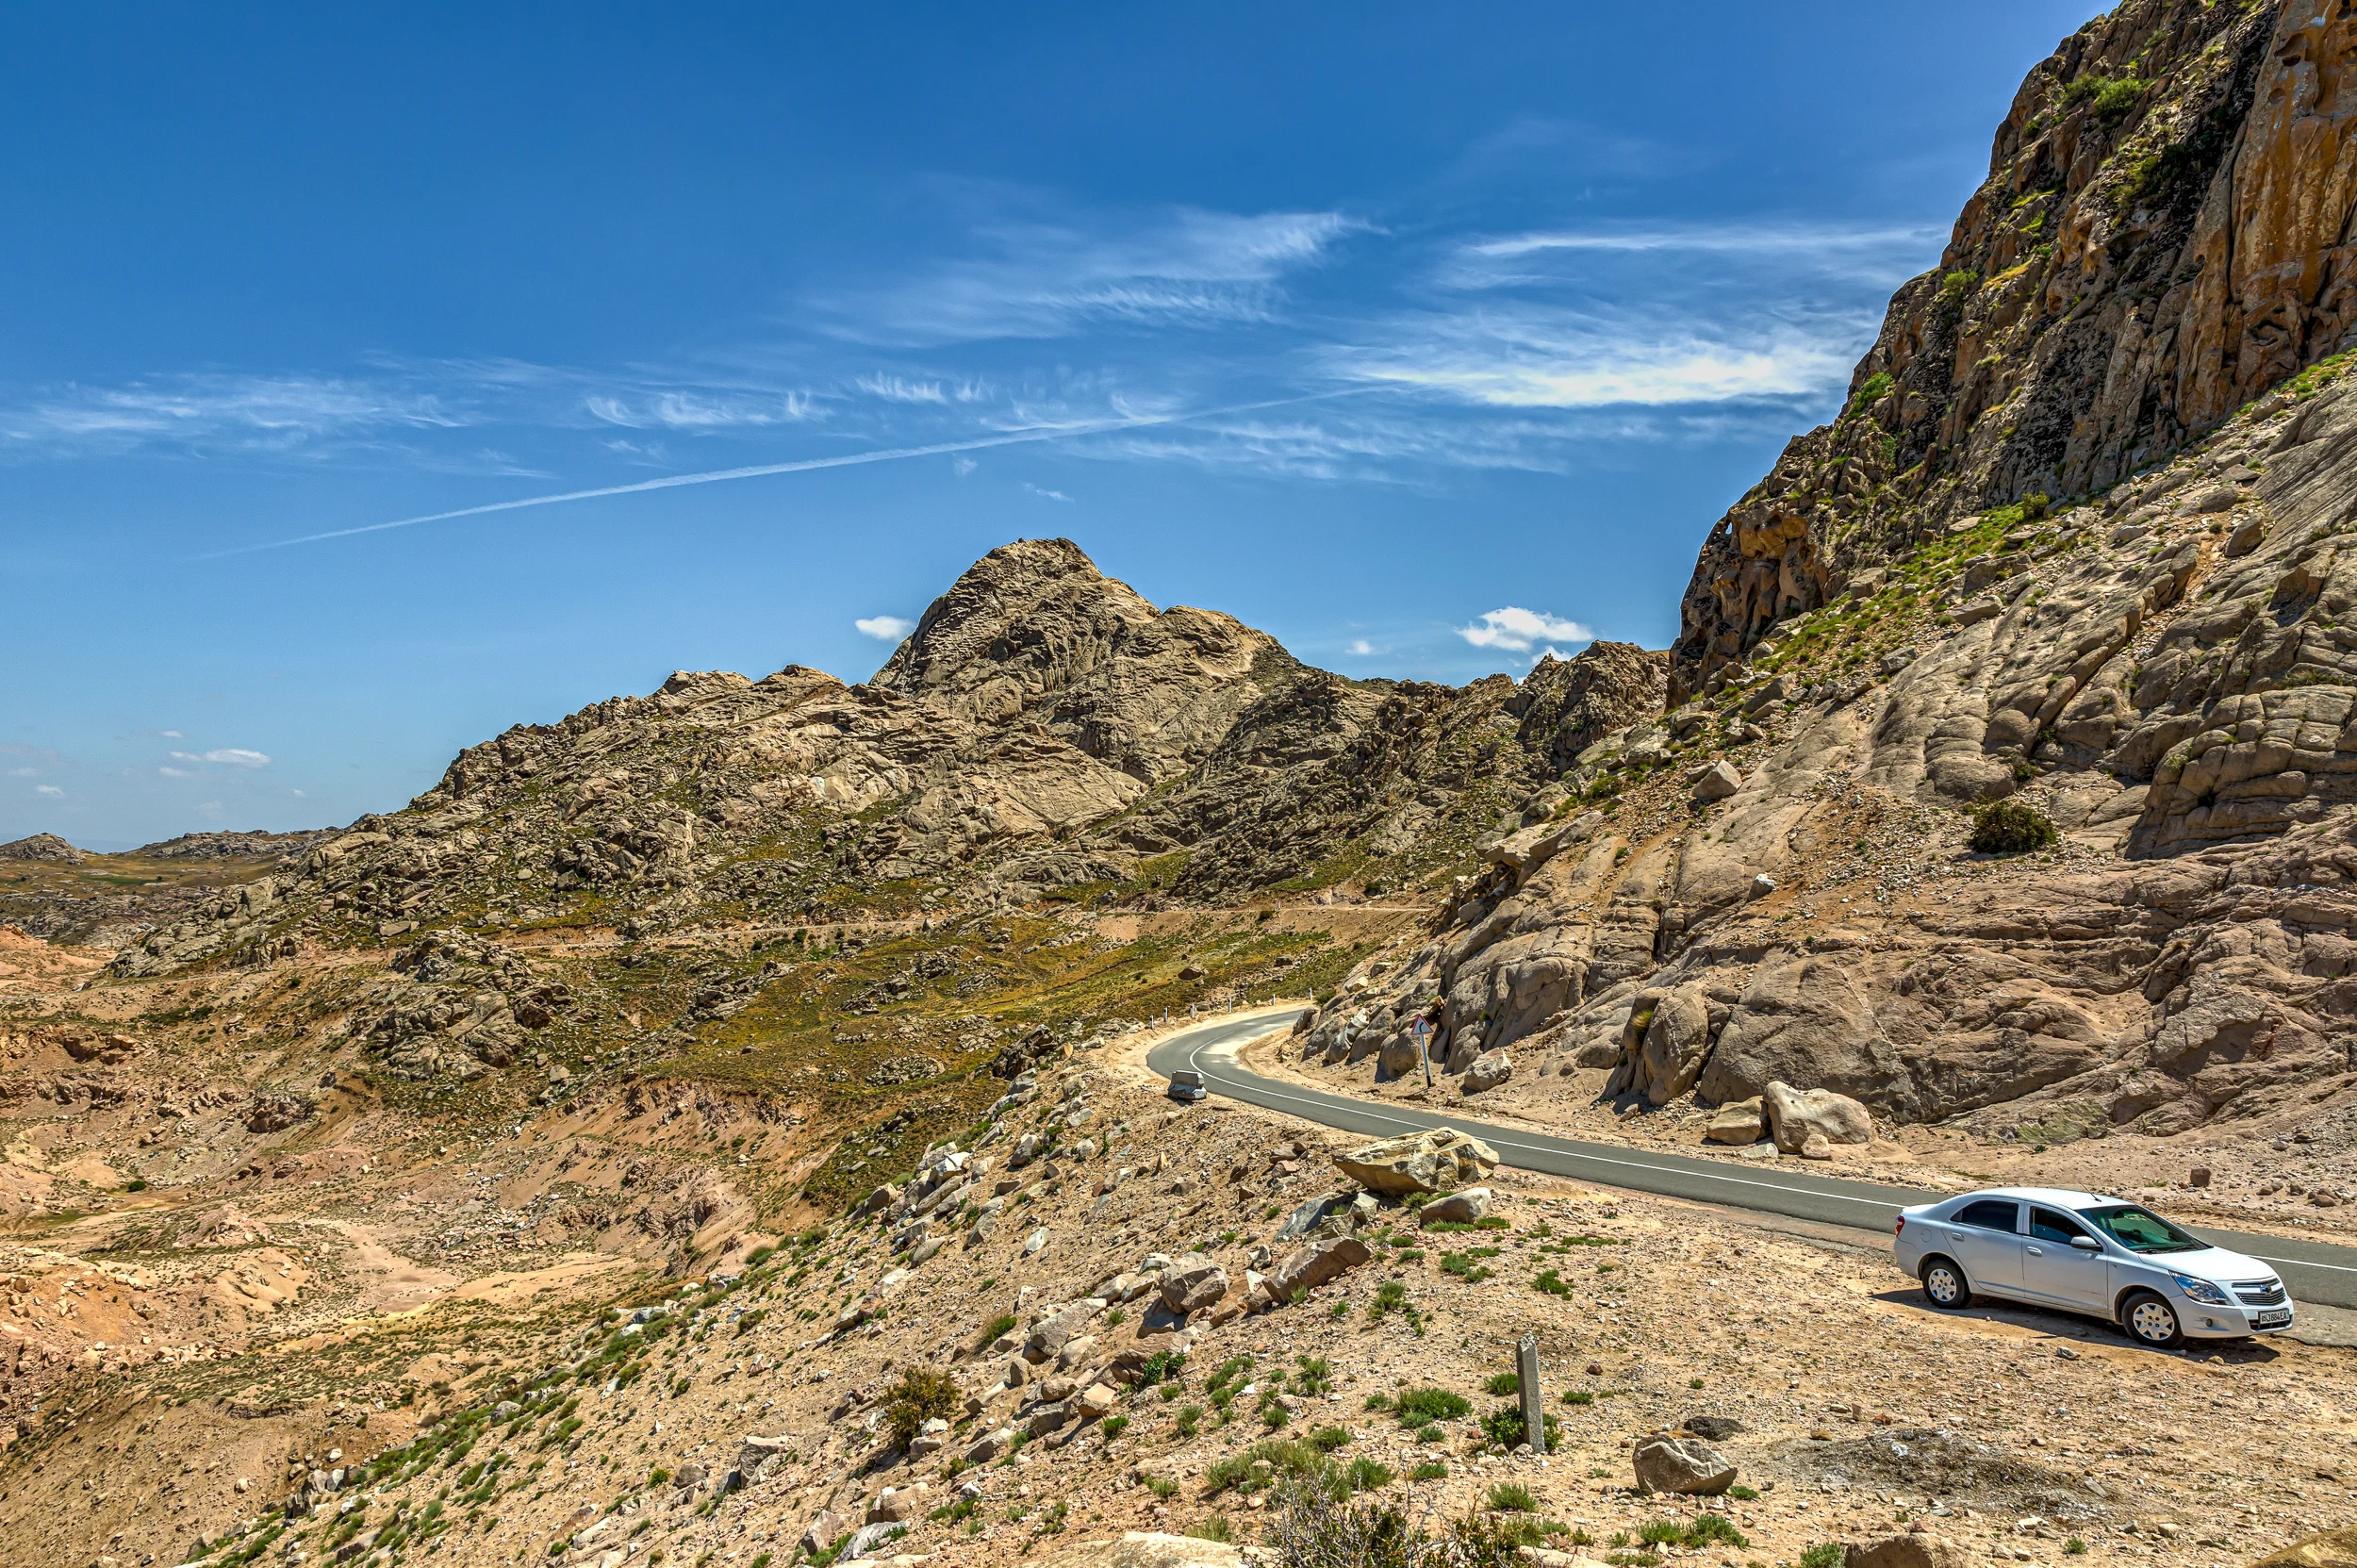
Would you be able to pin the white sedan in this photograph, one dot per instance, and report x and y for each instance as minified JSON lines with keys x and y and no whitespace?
{"x":2086,"y":1253}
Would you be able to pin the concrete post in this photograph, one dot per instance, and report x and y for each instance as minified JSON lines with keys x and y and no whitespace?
{"x":1533,"y":1407}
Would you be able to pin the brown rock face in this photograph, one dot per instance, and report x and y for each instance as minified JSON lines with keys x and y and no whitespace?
{"x":2163,"y":235}
{"x":1033,"y":629}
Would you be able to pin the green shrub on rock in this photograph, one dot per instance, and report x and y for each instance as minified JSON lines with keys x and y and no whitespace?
{"x":2010,"y":828}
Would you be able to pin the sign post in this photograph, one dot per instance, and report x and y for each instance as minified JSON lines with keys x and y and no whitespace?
{"x":1534,"y":1409}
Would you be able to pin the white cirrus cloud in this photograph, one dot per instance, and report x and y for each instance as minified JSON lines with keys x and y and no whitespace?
{"x":1182,"y":266}
{"x":252,"y":412}
{"x":680,"y":409}
{"x":1541,"y":356}
{"x":1362,"y":648}
{"x":170,"y":772}
{"x":228,"y":756}
{"x":1515,"y":630}
{"x":50,"y":790}
{"x":884,"y":628}
{"x":893,"y":389}
{"x":1045,"y":493}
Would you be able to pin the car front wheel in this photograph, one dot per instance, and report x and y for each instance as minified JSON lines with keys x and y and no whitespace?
{"x":2152,"y":1320}
{"x":1945,"y":1284}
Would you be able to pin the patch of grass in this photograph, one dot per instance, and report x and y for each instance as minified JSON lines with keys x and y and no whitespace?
{"x":1578,"y":1397}
{"x":1213,"y":1528}
{"x":1512,"y":1497}
{"x":1419,"y":1406}
{"x":1505,"y":1385}
{"x":1712,"y":1529}
{"x":1870,"y":392}
{"x":1552,"y":1283}
{"x":1825,"y":1554}
{"x":1504,"y":1427}
{"x":1430,"y":1470}
{"x":1326,"y":1439}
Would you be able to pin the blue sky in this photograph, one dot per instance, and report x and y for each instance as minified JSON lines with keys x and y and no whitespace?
{"x":1425,"y":338}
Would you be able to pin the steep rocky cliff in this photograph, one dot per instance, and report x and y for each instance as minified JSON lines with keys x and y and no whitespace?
{"x":2163,"y":235}
{"x":2083,"y":537}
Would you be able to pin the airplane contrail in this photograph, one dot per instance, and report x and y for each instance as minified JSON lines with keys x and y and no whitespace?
{"x":1011,"y":438}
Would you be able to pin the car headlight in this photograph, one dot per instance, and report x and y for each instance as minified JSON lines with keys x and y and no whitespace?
{"x":2200,"y":1290}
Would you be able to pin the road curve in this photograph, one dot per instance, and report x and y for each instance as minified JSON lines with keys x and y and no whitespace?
{"x":2315,"y":1272}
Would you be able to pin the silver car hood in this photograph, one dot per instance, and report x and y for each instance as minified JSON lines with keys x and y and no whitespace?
{"x":2214,"y":1264}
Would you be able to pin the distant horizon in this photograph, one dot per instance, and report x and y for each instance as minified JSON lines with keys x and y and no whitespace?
{"x":379,"y":381}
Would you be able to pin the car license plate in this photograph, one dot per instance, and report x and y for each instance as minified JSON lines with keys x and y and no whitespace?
{"x":2280,"y":1318}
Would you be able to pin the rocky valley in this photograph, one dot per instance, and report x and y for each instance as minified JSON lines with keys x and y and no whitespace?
{"x":716,"y":1127}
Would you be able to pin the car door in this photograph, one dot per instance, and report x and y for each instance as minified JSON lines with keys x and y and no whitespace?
{"x":2055,"y":1270}
{"x":1985,"y":1237}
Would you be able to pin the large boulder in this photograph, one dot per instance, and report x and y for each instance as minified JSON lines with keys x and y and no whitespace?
{"x":1808,"y":1020}
{"x":1314,"y":1264}
{"x":1676,"y":1044}
{"x":2333,"y":1548}
{"x":1795,"y":1116}
{"x":1490,"y":1069}
{"x":1681,"y":1465}
{"x":1742,"y":1123}
{"x":1140,"y":1549}
{"x":1906,"y":1551}
{"x":1399,"y":1057}
{"x":1429,"y":1162}
{"x":1050,"y":1334}
{"x":1191,"y":1282}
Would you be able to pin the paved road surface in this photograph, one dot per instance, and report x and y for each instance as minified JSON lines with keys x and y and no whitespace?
{"x":2314,"y":1271}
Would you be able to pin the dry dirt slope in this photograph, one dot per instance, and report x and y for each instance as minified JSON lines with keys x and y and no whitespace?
{"x":1851,"y":1410}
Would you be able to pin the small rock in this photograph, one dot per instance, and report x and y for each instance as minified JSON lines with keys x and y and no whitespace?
{"x":826,"y":1527}
{"x":1490,"y":1069}
{"x":1316,"y":1264}
{"x":1462,"y":1207}
{"x":1685,"y":1465}
{"x":1717,"y":782}
{"x":2201,"y":1176}
{"x":1192,"y":1282}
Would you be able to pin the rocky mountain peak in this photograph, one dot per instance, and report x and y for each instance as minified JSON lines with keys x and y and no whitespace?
{"x":1034,"y":631}
{"x":1034,"y":613}
{"x":42,"y":846}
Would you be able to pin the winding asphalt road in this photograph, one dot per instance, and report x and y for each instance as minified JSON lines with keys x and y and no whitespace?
{"x":2314,"y":1271}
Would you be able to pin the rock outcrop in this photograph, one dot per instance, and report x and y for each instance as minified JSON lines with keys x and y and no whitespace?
{"x":2162,"y":237}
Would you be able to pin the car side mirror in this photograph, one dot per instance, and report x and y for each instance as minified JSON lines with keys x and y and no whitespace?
{"x":2086,"y":1244}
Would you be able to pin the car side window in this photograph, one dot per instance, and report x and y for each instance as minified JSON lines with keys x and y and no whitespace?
{"x":2046,"y":1224}
{"x":1990,"y":1214}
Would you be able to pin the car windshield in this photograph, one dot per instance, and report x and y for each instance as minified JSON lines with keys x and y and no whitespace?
{"x":2142,"y":1231}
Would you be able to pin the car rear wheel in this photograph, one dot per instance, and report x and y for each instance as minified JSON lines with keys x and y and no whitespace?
{"x":2152,"y":1321}
{"x":1944,"y":1284}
